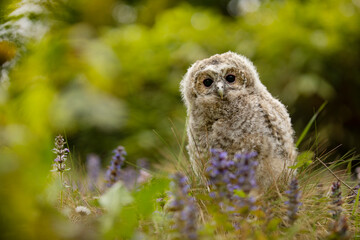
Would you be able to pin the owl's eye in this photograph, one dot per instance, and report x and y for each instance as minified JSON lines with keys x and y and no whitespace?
{"x":207,"y":82}
{"x":230,"y":78}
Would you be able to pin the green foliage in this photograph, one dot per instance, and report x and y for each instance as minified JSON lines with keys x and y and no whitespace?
{"x":115,"y":198}
{"x":118,"y":220}
{"x":147,"y":195}
{"x":303,"y":160}
{"x":84,"y":63}
{"x":124,"y":209}
{"x":310,"y":123}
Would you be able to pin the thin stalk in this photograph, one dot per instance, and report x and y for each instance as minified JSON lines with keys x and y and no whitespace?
{"x":310,"y":123}
{"x":61,"y":191}
{"x":336,"y":176}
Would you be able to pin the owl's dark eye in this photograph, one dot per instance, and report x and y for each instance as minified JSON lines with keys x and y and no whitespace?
{"x":230,"y":78}
{"x":207,"y":82}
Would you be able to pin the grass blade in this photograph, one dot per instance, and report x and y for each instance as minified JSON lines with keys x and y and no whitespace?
{"x":310,"y":123}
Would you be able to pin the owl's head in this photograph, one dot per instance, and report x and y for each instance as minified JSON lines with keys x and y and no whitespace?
{"x":218,"y":77}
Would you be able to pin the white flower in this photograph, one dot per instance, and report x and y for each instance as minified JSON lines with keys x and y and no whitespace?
{"x":83,"y":211}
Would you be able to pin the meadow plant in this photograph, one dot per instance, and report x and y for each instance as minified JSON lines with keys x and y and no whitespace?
{"x":60,"y":161}
{"x":355,"y":190}
{"x":93,"y":170}
{"x":219,"y":174}
{"x":340,"y":229}
{"x":61,"y":155}
{"x":244,"y":173}
{"x":293,"y":203}
{"x":232,"y":208}
{"x":182,"y":206}
{"x":143,"y":163}
{"x":82,"y":210}
{"x":114,"y":172}
{"x":357,"y":171}
{"x":336,"y":200}
{"x":128,"y":176}
{"x":144,"y":176}
{"x":353,"y":194}
{"x":232,"y":181}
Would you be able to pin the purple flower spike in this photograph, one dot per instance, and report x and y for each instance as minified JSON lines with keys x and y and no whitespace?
{"x":219,"y":173}
{"x":336,"y":200}
{"x":245,"y":171}
{"x":227,"y":176}
{"x":183,"y":208}
{"x":93,"y":170}
{"x":294,"y":203}
{"x":114,"y":171}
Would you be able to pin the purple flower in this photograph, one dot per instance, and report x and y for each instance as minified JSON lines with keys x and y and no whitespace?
{"x":340,"y":227}
{"x":336,"y":200}
{"x":245,"y":171}
{"x":93,"y":170}
{"x":143,"y":163}
{"x":128,"y":176}
{"x":180,"y":191}
{"x":227,"y":176}
{"x":182,"y":206}
{"x":231,"y":182}
{"x":294,"y":203}
{"x":114,"y":171}
{"x":219,"y":173}
{"x":188,"y":217}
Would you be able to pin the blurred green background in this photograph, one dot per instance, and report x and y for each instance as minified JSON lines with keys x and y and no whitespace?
{"x":107,"y":72}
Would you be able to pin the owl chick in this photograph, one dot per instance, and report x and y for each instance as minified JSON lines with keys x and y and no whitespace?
{"x":229,"y":108}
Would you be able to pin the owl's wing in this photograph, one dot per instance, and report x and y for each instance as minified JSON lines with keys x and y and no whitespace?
{"x":278,"y":121}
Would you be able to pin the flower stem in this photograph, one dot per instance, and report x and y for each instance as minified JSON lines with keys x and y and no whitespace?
{"x":61,"y":190}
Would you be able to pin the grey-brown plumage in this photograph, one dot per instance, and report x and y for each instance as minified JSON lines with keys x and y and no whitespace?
{"x":229,"y":108}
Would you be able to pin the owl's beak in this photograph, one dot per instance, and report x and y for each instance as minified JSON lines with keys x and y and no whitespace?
{"x":220,"y":89}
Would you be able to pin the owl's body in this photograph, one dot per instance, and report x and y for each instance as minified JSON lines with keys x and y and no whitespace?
{"x":230,"y":109}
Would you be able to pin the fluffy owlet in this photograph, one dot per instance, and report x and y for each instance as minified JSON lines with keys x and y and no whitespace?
{"x":229,"y":108}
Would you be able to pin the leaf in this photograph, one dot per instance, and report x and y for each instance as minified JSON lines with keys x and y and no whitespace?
{"x":303,"y":160}
{"x":273,"y":224}
{"x":115,"y":198}
{"x":310,"y":123}
{"x":146,"y":196}
{"x":113,"y":201}
{"x":240,"y":193}
{"x":356,"y":204}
